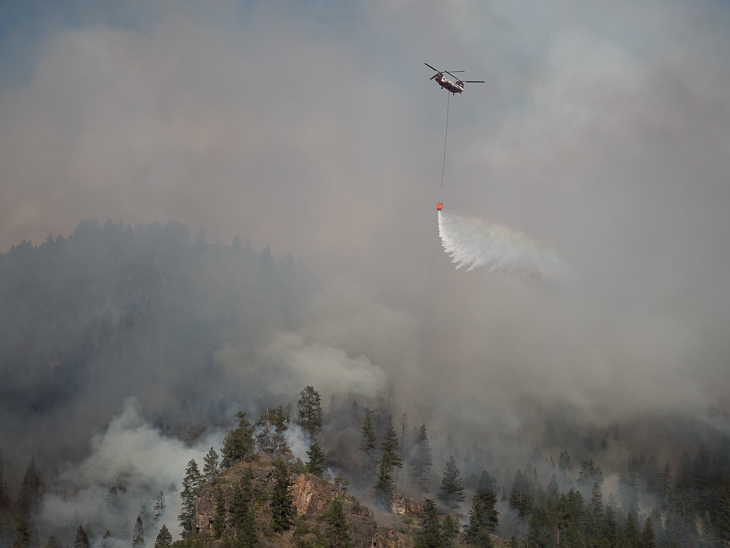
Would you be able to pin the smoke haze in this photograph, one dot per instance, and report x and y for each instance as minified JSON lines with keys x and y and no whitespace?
{"x":311,"y":130}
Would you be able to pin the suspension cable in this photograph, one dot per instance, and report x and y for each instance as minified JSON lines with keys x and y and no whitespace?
{"x":446,"y":136}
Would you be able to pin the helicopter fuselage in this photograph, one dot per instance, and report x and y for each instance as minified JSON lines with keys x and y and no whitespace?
{"x":449,"y":85}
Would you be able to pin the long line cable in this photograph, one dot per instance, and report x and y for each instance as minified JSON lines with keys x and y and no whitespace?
{"x":446,"y":136}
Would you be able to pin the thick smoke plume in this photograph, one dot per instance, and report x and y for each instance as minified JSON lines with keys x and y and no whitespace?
{"x":476,"y":243}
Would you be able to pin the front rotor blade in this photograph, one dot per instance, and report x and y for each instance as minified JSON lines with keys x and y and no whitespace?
{"x":429,"y":66}
{"x":447,"y":72}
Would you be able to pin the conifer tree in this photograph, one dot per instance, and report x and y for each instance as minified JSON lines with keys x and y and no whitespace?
{"x":422,"y":461}
{"x":242,"y":513}
{"x":138,"y":534}
{"x":310,"y":412}
{"x":648,"y":536}
{"x":337,"y":534}
{"x":430,"y":535}
{"x":369,"y":443}
{"x":52,"y":542}
{"x":210,"y":468}
{"x":238,"y":443}
{"x":31,"y":491}
{"x":164,"y":538}
{"x":488,"y":495}
{"x":665,"y":481}
{"x":159,"y":507}
{"x":384,"y":484}
{"x":315,"y":463}
{"x":477,"y":533}
{"x":190,"y":485}
{"x":281,"y":501}
{"x":449,"y":530}
{"x":390,"y":445}
{"x":273,"y":425}
{"x":82,"y":539}
{"x":219,"y":519}
{"x":451,"y":492}
{"x":631,"y":533}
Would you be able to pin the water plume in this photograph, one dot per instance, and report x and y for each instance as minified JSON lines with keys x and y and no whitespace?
{"x":476,"y":243}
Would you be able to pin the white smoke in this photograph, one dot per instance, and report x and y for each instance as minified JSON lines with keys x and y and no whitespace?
{"x":476,"y":243}
{"x":136,"y":459}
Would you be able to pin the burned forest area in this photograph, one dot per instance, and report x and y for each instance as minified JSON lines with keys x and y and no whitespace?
{"x":150,"y":396}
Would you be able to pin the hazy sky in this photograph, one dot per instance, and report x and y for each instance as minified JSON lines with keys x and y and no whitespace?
{"x":603,"y":132}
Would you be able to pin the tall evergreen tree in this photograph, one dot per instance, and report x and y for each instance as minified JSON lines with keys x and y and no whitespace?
{"x":422,"y":461}
{"x":315,"y":462}
{"x":210,"y":468}
{"x":272,"y":425}
{"x":52,"y":543}
{"x":384,"y":484}
{"x":449,"y":530}
{"x":281,"y":501}
{"x":238,"y":443}
{"x":391,"y":446}
{"x":310,"y":412}
{"x":138,"y":534}
{"x":631,"y":532}
{"x":368,"y":444}
{"x":219,"y":518}
{"x":164,"y":538}
{"x":648,"y":536}
{"x":430,"y":535}
{"x":31,"y":491}
{"x":190,"y":485}
{"x":337,"y":531}
{"x":477,"y":533}
{"x":487,"y":493}
{"x":242,"y":513}
{"x":451,"y":492}
{"x":522,"y":494}
{"x":82,"y":539}
{"x":159,"y":507}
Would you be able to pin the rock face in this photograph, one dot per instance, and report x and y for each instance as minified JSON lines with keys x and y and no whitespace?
{"x":311,"y":497}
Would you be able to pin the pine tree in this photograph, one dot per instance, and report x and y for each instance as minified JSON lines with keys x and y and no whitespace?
{"x":281,"y":501}
{"x":390,"y":445}
{"x":238,"y":443}
{"x":219,"y":519}
{"x":422,"y":461}
{"x":242,"y":513}
{"x":631,"y":533}
{"x":384,"y":484}
{"x":430,"y":535}
{"x":159,"y":507}
{"x":368,"y":444}
{"x":210,"y":468}
{"x":315,"y":463}
{"x":477,"y":533}
{"x":82,"y":539}
{"x":648,"y":536}
{"x":164,"y":538}
{"x":451,"y":492}
{"x":488,"y":495}
{"x":31,"y":491}
{"x":310,"y":412}
{"x":337,"y":534}
{"x":190,"y":485}
{"x":138,"y":534}
{"x":52,"y":542}
{"x":449,"y":530}
{"x":665,"y":481}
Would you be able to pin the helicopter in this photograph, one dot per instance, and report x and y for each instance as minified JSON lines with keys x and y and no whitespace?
{"x":456,"y":86}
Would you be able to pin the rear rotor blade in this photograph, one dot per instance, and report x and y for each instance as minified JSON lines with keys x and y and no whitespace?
{"x":474,"y":81}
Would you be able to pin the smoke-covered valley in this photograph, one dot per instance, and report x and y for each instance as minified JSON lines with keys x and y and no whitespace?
{"x":126,"y":352}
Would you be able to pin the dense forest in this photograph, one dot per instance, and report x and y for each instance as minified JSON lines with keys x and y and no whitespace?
{"x":115,"y":311}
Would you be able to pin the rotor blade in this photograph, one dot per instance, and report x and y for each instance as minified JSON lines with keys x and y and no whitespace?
{"x":429,"y":66}
{"x":474,"y":81}
{"x":434,"y":76}
{"x":447,"y":72}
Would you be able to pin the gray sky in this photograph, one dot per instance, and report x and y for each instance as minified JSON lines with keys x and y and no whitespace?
{"x":603,"y":131}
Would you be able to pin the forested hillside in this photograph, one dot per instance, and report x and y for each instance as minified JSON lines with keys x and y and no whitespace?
{"x":124,"y":409}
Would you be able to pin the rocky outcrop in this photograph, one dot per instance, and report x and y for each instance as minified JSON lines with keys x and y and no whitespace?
{"x":311,"y":497}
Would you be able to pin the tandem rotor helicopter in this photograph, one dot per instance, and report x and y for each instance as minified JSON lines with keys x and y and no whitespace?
{"x":456,"y":86}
